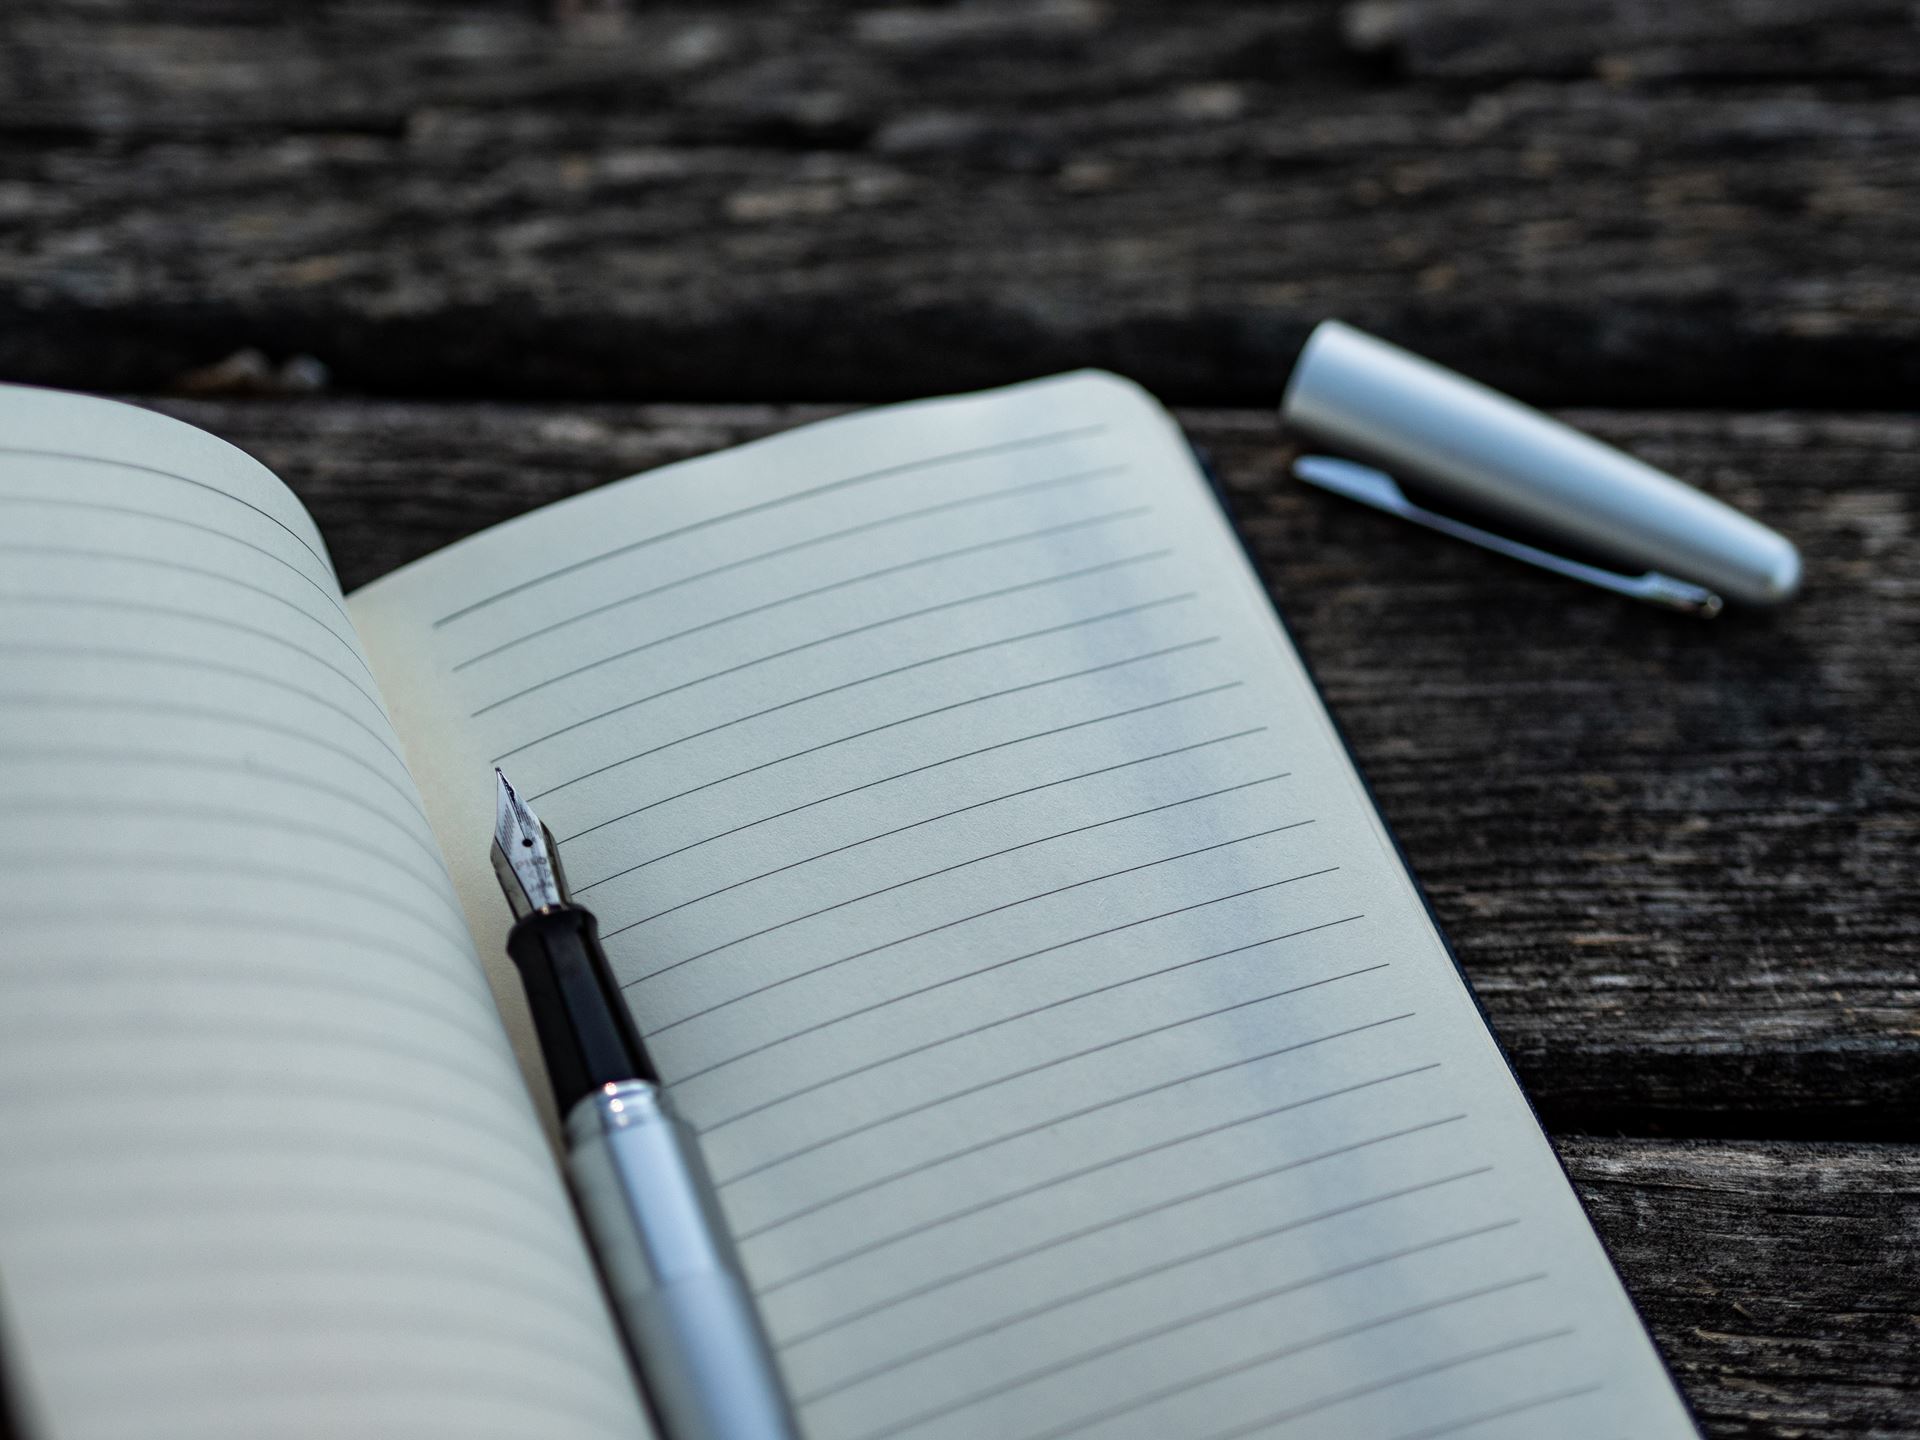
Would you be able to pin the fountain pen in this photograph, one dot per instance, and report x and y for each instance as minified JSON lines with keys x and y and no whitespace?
{"x":643,"y":1191}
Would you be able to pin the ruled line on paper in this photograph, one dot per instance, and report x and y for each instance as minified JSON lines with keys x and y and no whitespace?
{"x":865,"y":679}
{"x":778,"y":502}
{"x":1299,"y":1347}
{"x":1038,"y":1068}
{"x":979,"y":915}
{"x":968,"y":1033}
{"x":321,"y":981}
{"x":794,"y":1341}
{"x":523,"y":1277}
{"x":318,"y":986}
{"x":228,"y":767}
{"x":48,"y":805}
{"x":1345,"y":1332}
{"x":1216,"y":1312}
{"x":797,"y":596}
{"x":212,"y":667}
{"x":160,"y":563}
{"x":205,"y":712}
{"x":1376,"y":1387}
{"x":139,"y":607}
{"x":933,"y":820}
{"x":453,"y":1325}
{"x":981,"y":648}
{"x":275,"y":923}
{"x":1060,"y":1119}
{"x":982,"y":914}
{"x":964,"y":864}
{"x":1098,"y":1166}
{"x":811,"y":542}
{"x":438,"y":1212}
{"x":170,"y":475}
{"x":441,"y":1213}
{"x":195,"y":866}
{"x":330,"y":596}
{"x":884,"y":779}
{"x":1001,"y":965}
{"x":1467,"y":1422}
{"x":794,"y":1094}
{"x":371,"y":1093}
{"x":316,"y":983}
{"x":1119,"y":1281}
{"x":971,"y":700}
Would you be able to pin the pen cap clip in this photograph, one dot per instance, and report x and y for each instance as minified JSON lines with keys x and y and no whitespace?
{"x":1461,"y":440}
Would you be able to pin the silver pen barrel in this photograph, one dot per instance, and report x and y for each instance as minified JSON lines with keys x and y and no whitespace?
{"x":664,"y":1249}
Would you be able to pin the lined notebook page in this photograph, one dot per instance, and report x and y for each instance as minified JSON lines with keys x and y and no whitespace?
{"x":269,"y":1167}
{"x":1074,"y":1056}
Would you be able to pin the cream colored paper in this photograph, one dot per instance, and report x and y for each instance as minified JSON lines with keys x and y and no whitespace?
{"x":1075,"y":1056}
{"x":266,"y":1165}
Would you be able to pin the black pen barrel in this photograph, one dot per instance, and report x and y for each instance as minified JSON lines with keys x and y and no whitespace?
{"x":586,"y":1032}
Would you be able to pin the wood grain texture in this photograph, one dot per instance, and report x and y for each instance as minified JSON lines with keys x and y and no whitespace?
{"x":1677,"y":859}
{"x":1865,"y":44}
{"x":1780,"y":1279}
{"x":1624,"y":202}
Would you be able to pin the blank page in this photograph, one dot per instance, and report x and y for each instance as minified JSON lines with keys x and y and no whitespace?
{"x":268,"y":1165}
{"x":1073,"y":1052}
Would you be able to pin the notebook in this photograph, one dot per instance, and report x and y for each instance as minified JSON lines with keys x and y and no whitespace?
{"x":1073,"y":1051}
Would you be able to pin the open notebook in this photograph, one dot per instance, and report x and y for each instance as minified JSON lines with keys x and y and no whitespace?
{"x":1074,"y":1053}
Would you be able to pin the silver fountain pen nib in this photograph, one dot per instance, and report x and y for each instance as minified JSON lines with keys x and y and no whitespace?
{"x":525,"y":857}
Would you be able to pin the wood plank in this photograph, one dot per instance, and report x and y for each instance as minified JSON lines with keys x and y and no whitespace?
{"x":1677,"y":859}
{"x":1780,"y":1279}
{"x":1577,"y":200}
{"x":1642,"y":41}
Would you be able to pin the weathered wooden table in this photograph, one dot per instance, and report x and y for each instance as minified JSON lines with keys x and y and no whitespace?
{"x":534,"y":251}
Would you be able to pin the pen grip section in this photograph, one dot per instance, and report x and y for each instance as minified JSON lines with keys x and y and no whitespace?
{"x":586,"y":1032}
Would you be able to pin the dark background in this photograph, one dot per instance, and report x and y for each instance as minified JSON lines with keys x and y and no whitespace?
{"x":436,"y":262}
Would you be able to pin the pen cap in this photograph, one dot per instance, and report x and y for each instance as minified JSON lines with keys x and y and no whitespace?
{"x":1381,"y":404}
